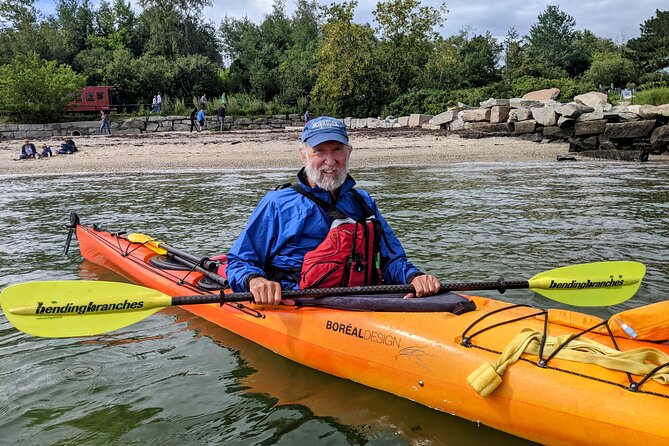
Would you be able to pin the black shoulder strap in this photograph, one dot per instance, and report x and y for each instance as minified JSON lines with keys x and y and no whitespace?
{"x":330,"y":210}
{"x":366,"y":210}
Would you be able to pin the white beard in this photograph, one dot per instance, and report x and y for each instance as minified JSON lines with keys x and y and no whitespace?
{"x":327,"y":182}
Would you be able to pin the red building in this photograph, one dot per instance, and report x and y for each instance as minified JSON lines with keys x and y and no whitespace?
{"x":93,"y":99}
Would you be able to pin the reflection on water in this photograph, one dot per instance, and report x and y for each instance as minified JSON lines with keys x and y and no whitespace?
{"x":176,"y":378}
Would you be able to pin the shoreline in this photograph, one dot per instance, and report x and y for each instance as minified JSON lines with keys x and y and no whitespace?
{"x":261,"y":149}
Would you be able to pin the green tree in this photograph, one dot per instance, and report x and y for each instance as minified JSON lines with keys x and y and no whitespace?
{"x":193,"y":74}
{"x":75,"y":21}
{"x":551,"y":46}
{"x":18,"y":25}
{"x":610,"y":68}
{"x":272,"y":60}
{"x":177,"y":28}
{"x":407,"y":37}
{"x":15,"y":12}
{"x":651,"y":49}
{"x":37,"y":90}
{"x":463,"y":61}
{"x":513,"y":54}
{"x":296,"y":76}
{"x":347,"y":76}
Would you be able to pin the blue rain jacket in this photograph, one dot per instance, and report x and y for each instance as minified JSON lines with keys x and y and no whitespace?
{"x":286,"y":225}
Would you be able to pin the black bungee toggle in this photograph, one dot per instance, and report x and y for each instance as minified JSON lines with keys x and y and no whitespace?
{"x":502,"y":285}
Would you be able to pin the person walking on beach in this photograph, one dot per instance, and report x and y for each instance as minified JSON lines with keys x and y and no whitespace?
{"x":104,"y":122}
{"x":221,"y":116}
{"x":201,"y":119}
{"x":154,"y":104}
{"x":159,"y":103}
{"x":294,"y":229}
{"x":193,"y":124}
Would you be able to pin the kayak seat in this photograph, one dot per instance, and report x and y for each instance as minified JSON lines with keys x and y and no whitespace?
{"x":167,"y":263}
{"x":445,"y":303}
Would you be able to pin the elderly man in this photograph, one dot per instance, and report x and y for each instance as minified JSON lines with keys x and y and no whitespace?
{"x":320,"y":231}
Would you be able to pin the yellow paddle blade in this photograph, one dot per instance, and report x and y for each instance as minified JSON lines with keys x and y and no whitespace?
{"x":590,"y":284}
{"x":148,"y":241}
{"x":60,"y":309}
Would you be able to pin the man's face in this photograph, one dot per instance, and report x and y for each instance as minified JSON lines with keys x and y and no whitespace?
{"x":326,"y":164}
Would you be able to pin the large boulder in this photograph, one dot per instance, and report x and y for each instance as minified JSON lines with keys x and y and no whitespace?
{"x":592,"y":116}
{"x":357,"y":123}
{"x":499,"y":113}
{"x":627,"y":130}
{"x":659,"y":140}
{"x":590,"y":127}
{"x":524,"y":113}
{"x":545,"y":115}
{"x":555,"y":132}
{"x":528,"y":103}
{"x":445,"y":117}
{"x":573,"y":110}
{"x":619,"y":155}
{"x":660,"y":135}
{"x":661,"y":111}
{"x":417,"y":120}
{"x":594,"y":99}
{"x":494,"y":103}
{"x":542,"y":95}
{"x":476,"y":115}
{"x":458,"y":125}
{"x":525,"y":126}
{"x":487,"y":127}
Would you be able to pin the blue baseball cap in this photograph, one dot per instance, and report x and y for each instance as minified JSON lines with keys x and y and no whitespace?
{"x":324,"y":128}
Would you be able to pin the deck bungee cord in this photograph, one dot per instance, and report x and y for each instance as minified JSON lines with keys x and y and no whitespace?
{"x":646,"y":362}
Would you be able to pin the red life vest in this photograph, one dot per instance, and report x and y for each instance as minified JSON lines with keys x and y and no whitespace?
{"x":349,"y":255}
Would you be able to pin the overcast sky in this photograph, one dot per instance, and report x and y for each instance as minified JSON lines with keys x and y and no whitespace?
{"x":615,"y":19}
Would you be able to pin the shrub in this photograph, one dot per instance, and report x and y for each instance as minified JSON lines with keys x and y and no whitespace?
{"x":652,"y":96}
{"x":19,"y":92}
{"x":177,"y":107}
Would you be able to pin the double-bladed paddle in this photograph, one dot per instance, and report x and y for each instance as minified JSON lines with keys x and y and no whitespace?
{"x":84,"y":308}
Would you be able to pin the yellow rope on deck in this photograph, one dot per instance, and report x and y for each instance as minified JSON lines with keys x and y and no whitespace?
{"x":640,"y":361}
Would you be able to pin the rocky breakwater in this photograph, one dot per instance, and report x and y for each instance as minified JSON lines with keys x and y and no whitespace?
{"x":140,"y":125}
{"x":592,"y":126}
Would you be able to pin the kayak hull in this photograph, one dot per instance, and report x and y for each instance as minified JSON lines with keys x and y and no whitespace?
{"x":420,"y":356}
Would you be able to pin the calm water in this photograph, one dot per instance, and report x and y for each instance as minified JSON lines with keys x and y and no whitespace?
{"x":176,"y":379}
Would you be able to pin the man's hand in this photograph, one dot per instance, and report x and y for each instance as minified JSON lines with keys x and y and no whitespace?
{"x":425,"y":285}
{"x":265,"y":292}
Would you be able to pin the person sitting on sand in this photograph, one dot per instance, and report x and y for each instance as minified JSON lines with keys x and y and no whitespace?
{"x":68,"y":146}
{"x":294,"y":229}
{"x":46,"y":151}
{"x":28,"y":150}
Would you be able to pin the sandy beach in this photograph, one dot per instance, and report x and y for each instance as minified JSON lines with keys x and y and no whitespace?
{"x":268,"y":149}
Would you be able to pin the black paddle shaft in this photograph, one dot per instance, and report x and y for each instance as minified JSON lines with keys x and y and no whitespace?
{"x":499,"y":285}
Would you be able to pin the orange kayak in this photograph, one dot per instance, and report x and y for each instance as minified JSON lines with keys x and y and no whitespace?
{"x":428,"y":357}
